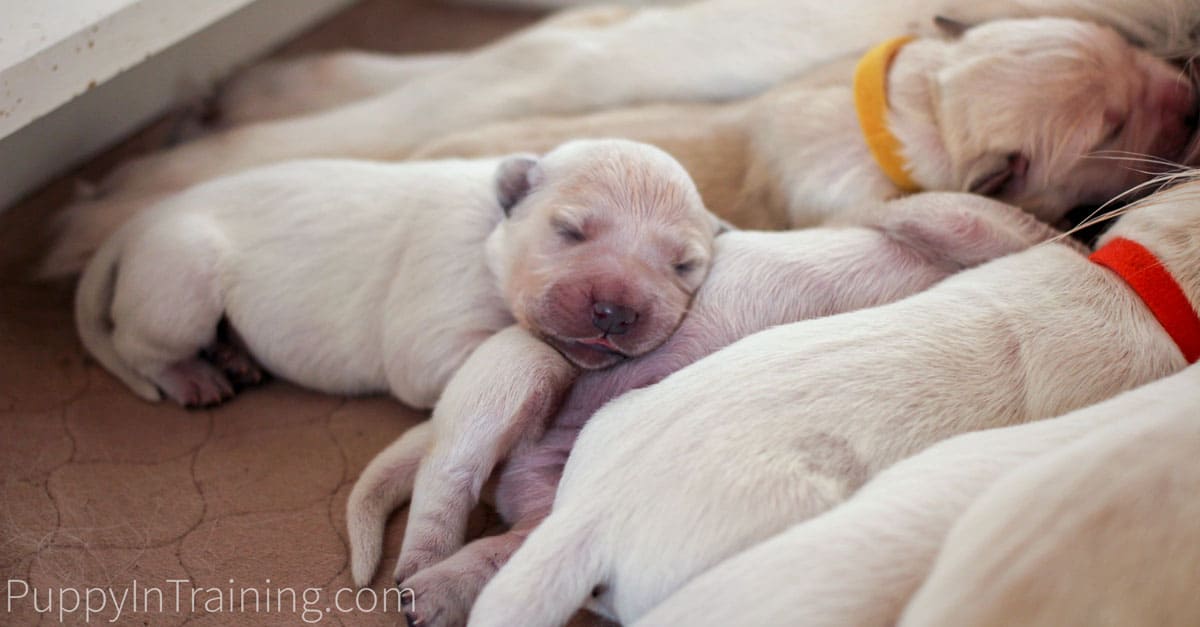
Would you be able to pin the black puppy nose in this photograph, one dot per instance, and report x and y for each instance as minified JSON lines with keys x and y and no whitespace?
{"x":613,"y":319}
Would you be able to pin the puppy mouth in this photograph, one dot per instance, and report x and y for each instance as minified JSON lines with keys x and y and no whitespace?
{"x":589,"y":353}
{"x":603,"y":345}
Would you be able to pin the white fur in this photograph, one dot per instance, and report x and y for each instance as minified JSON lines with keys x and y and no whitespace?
{"x":570,"y":64}
{"x":970,"y":110}
{"x":860,"y":563}
{"x":311,"y":83}
{"x":352,"y":277}
{"x":1101,"y":532}
{"x":758,"y":280}
{"x":817,"y":408}
{"x":565,"y":4}
{"x":331,"y":308}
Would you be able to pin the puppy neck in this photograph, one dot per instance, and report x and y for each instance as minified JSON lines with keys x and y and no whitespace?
{"x":871,"y":104}
{"x":913,"y":113}
{"x":1168,"y":225}
{"x":1147,"y":276}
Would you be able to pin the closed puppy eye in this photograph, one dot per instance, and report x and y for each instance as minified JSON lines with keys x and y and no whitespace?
{"x":569,"y":232}
{"x":1115,"y":134}
{"x":996,"y":183}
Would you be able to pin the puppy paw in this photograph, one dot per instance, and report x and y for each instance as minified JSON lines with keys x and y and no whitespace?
{"x":194,"y":383}
{"x":440,"y":599}
{"x":412,"y":562}
{"x":237,"y":364}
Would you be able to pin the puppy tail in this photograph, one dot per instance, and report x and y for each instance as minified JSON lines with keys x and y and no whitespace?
{"x":80,"y":230}
{"x":547,"y":580}
{"x":93,"y":302}
{"x":383,"y":485}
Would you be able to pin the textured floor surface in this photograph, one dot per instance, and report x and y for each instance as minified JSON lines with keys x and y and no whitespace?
{"x":99,"y":489}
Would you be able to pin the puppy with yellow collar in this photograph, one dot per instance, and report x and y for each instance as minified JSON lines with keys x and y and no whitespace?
{"x":600,"y":58}
{"x":1045,"y":113}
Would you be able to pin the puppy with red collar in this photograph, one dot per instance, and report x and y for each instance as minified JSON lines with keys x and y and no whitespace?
{"x":820,"y":407}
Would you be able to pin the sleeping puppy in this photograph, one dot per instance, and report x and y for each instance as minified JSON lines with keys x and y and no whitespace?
{"x":605,"y":57}
{"x":758,"y":280}
{"x":353,"y":277}
{"x":859,"y":563}
{"x":311,"y":83}
{"x":1102,"y":532}
{"x":969,"y":113}
{"x":819,"y":407}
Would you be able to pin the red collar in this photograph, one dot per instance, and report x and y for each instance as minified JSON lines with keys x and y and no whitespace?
{"x":1151,"y":281}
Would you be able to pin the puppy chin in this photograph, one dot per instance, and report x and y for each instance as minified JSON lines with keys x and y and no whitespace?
{"x":586,"y":355}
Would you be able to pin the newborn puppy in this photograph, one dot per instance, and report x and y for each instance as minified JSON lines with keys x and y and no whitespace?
{"x":600,"y":58}
{"x":758,"y":280}
{"x":819,"y":407}
{"x":1102,"y":532}
{"x":1047,"y":114}
{"x":352,"y":277}
{"x":859,"y":563}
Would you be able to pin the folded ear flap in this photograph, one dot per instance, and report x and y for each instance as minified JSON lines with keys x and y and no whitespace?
{"x":516,"y":176}
{"x":993,"y":175}
{"x":950,"y":27}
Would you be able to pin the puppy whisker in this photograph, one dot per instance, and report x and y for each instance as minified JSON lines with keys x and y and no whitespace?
{"x":1137,"y":157}
{"x":1146,"y":189}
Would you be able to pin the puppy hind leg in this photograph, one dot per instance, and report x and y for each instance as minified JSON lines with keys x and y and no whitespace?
{"x":166,"y":308}
{"x":385,"y":483}
{"x":194,"y":383}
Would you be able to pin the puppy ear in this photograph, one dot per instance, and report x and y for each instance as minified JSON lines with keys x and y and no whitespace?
{"x":995,"y":174}
{"x":724,"y":227}
{"x":950,"y":27}
{"x":516,"y":176}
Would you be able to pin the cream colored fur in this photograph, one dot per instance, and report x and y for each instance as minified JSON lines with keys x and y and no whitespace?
{"x":860,"y":563}
{"x":758,"y":280}
{"x":593,"y":59}
{"x":352,"y":277}
{"x":1102,"y":532}
{"x":781,"y":426}
{"x":971,"y":112}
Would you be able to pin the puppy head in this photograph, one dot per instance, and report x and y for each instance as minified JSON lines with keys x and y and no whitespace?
{"x":1043,"y":113}
{"x":604,"y":245}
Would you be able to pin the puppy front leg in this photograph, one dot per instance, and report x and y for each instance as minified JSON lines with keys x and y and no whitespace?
{"x":445,"y":592}
{"x":502,"y":395}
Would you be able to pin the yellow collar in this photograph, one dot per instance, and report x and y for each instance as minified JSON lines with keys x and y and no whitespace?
{"x":870,"y":99}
